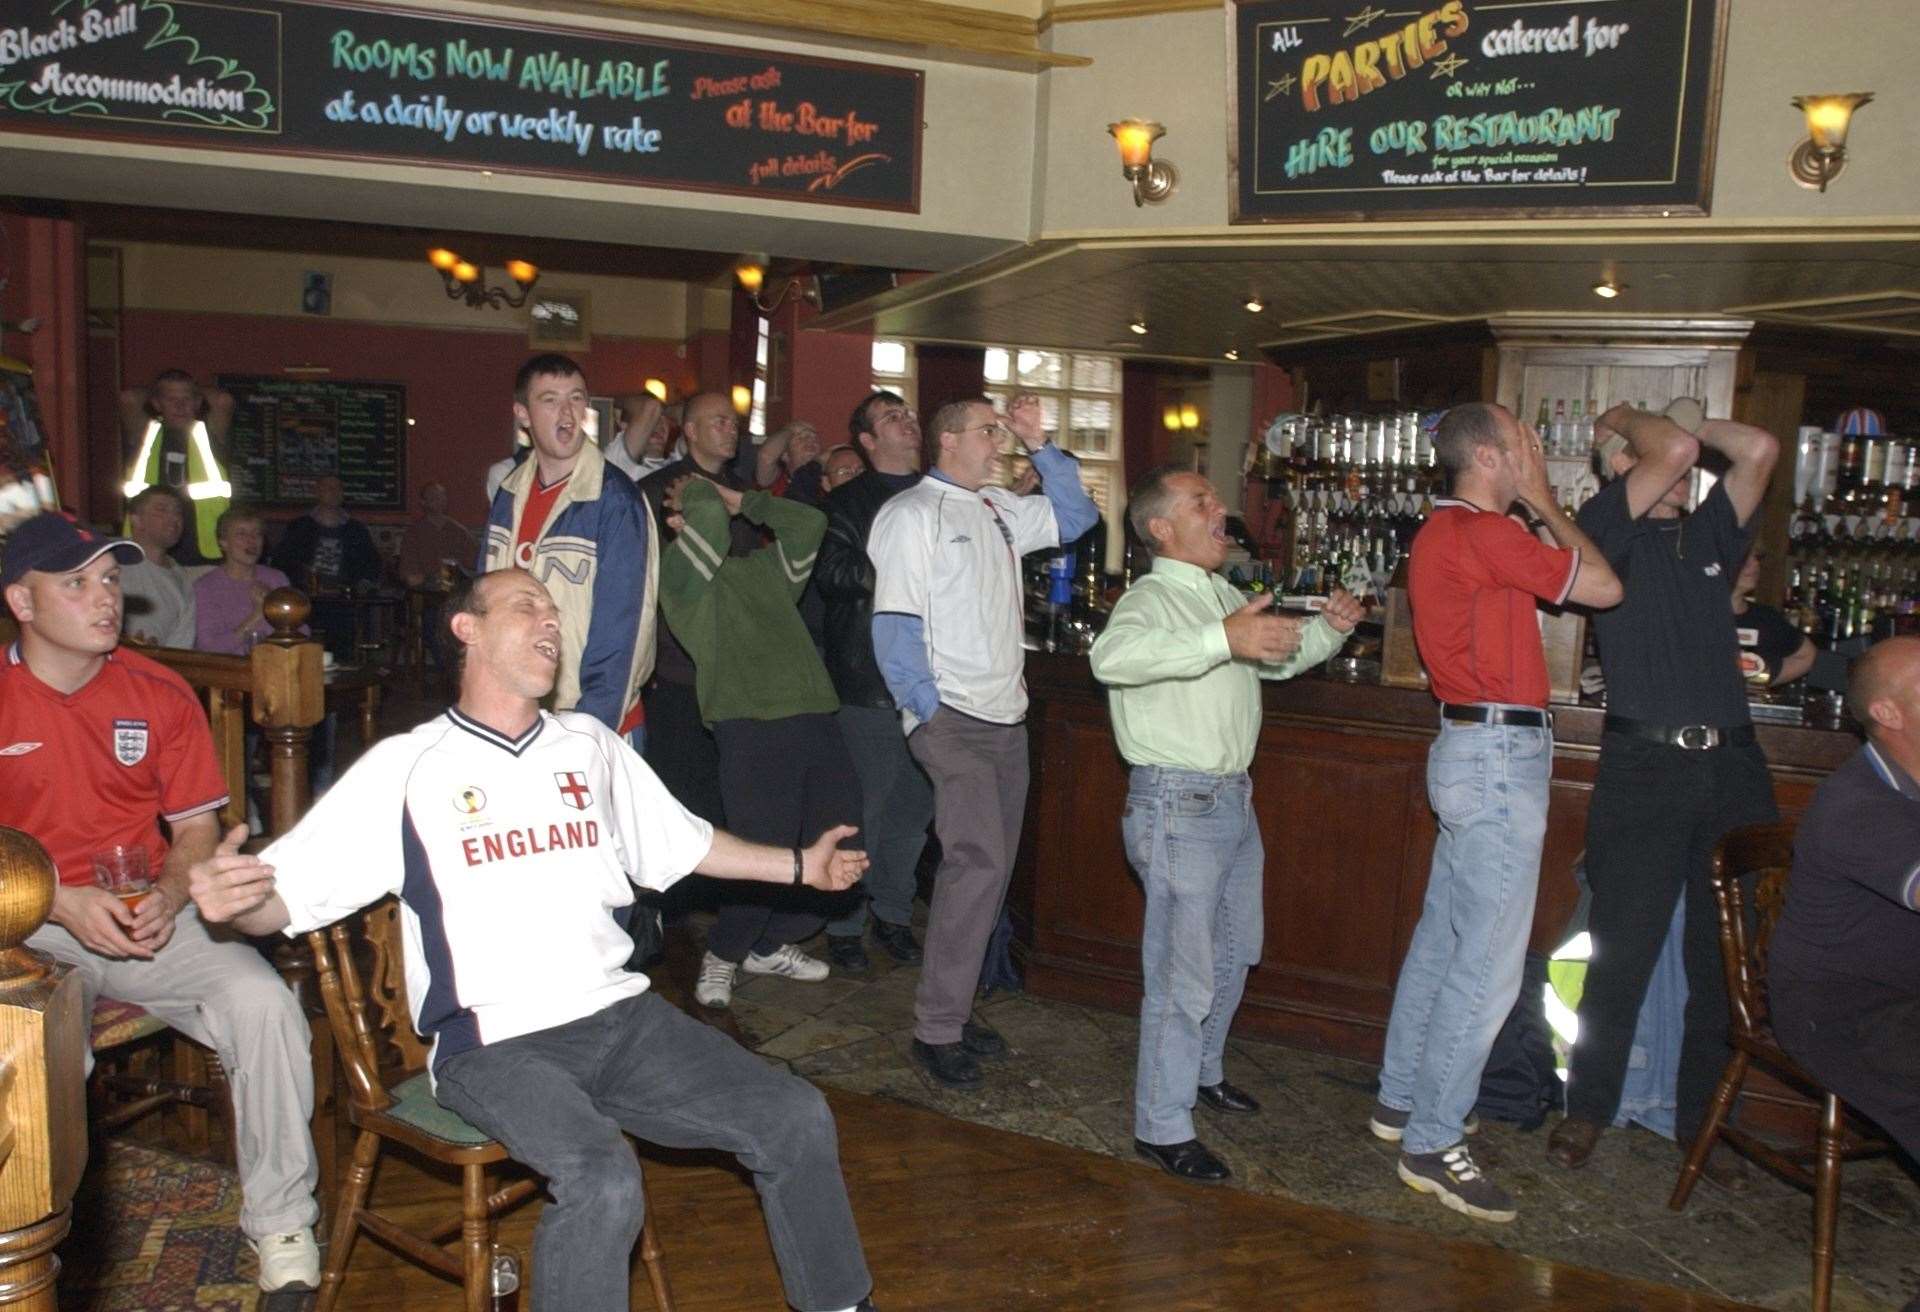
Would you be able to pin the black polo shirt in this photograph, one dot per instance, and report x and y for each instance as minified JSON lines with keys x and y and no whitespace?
{"x":1850,"y":919}
{"x":1668,"y":650}
{"x":1764,"y":632}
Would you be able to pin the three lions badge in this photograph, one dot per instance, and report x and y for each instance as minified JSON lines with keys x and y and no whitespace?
{"x":129,"y":741}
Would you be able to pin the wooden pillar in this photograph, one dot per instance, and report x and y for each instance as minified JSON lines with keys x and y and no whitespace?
{"x":289,"y":698}
{"x":43,"y":1108}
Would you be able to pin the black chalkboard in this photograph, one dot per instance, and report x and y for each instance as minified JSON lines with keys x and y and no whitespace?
{"x":288,"y":432}
{"x":386,"y":83}
{"x":1343,"y":109}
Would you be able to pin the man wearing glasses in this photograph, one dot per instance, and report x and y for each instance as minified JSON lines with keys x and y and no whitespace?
{"x":949,"y":614}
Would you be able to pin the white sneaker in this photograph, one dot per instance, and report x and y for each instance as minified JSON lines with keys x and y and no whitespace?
{"x":714,"y":988}
{"x":289,"y":1261}
{"x":789,"y":961}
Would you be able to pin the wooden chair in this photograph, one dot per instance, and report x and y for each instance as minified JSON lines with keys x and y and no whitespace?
{"x":389,"y":1098}
{"x":1763,"y":854}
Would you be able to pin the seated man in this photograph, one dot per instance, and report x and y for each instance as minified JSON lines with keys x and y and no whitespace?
{"x":156,"y":594}
{"x":1842,"y":977}
{"x":84,"y":720}
{"x":517,"y":971}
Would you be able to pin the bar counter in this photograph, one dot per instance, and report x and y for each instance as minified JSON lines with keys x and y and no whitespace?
{"x":1339,"y":785}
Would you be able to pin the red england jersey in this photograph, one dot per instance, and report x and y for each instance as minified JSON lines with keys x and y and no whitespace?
{"x":1474,"y":578}
{"x":101,"y":768}
{"x":533,"y":518}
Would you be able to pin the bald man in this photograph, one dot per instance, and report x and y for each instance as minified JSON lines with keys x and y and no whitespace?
{"x":1843,"y":978}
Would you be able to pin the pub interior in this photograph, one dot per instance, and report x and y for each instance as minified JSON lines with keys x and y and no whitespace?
{"x":1268,"y":242}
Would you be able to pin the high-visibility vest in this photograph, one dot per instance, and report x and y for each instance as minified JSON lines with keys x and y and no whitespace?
{"x":207,"y":489}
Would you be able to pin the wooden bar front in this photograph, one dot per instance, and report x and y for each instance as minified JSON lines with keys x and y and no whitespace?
{"x":1339,"y":785}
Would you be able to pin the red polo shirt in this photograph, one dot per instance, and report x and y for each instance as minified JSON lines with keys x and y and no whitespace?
{"x":101,"y":767}
{"x":1474,"y":579}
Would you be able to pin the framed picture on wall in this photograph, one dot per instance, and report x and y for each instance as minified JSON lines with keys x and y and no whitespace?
{"x":560,"y":320}
{"x":605,"y":423}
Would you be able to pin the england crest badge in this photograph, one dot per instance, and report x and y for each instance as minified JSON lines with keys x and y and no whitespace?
{"x":129,"y":741}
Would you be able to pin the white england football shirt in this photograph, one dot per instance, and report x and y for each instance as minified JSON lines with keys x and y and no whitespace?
{"x":509,"y":858}
{"x":952,"y":557}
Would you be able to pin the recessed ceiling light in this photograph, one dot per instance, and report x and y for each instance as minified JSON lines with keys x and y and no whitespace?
{"x":1138,"y":327}
{"x":1232,"y":355}
{"x":1606,"y":291}
{"x":1254,"y":304}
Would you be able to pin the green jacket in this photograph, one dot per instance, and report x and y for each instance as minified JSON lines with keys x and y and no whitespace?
{"x":738,"y":616}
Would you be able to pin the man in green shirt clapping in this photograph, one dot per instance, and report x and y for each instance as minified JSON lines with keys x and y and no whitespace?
{"x":1183,"y":655}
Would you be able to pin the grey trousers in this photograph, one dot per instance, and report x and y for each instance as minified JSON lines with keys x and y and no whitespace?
{"x":224,"y":994}
{"x":897,"y":804}
{"x":979,"y":774}
{"x":559,"y":1100}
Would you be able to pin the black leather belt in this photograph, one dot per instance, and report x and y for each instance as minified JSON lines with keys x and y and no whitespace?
{"x":1514,"y":715}
{"x":1689,"y":737}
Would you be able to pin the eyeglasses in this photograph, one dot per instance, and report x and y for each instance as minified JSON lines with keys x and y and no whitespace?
{"x":995,"y":427}
{"x":895,"y":416}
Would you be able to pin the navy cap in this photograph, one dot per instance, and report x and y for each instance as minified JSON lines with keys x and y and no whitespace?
{"x":54,"y":544}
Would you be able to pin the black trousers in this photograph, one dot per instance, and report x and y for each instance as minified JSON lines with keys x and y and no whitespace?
{"x":783,"y":782}
{"x":682,"y":752}
{"x":1657,"y":812}
{"x":1865,"y":1048}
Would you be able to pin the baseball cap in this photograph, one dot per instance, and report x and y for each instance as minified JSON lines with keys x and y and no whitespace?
{"x":52,"y":542}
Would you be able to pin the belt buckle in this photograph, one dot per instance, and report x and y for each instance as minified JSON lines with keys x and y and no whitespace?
{"x":1698,"y":737}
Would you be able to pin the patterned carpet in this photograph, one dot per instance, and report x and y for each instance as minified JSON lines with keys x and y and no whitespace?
{"x":157,"y":1232}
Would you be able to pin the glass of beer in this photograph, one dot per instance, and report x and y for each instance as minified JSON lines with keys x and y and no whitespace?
{"x":122,"y":871}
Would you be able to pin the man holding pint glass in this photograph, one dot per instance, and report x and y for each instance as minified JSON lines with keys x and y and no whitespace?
{"x":98,"y":746}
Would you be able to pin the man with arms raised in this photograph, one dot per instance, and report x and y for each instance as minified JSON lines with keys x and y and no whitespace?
{"x":1183,"y":654}
{"x":948,"y":618}
{"x":579,"y":528}
{"x":516,"y":969}
{"x":98,"y":746}
{"x":1474,"y":579}
{"x":1679,"y":765}
{"x":174,"y":436}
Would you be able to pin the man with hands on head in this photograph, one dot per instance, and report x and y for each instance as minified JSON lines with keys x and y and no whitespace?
{"x":1183,"y":656}
{"x":948,"y":620}
{"x":511,"y":835}
{"x":1475,"y":577}
{"x":1679,"y":765}
{"x":83,"y":719}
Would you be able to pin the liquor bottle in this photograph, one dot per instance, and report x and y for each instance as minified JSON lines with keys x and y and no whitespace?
{"x":1559,"y":437}
{"x":1541,"y":422}
{"x":1059,"y":604}
{"x":1570,"y":442}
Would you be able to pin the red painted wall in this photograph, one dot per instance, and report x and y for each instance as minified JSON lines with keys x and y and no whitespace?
{"x":459,"y":384}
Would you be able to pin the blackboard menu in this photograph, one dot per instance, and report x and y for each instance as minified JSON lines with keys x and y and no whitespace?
{"x":289,"y":432}
{"x":1343,"y":109}
{"x":385,"y":83}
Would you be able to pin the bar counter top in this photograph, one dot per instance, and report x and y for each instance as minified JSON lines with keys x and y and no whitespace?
{"x":1339,"y":786}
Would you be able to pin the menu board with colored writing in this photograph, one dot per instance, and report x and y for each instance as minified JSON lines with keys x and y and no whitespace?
{"x":386,"y":83}
{"x":290,"y":432}
{"x":1344,"y":109}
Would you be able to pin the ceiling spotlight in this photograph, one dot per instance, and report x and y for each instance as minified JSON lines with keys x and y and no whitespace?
{"x":1254,"y":304}
{"x":1232,"y":354}
{"x":1138,"y":327}
{"x":1609,"y":289}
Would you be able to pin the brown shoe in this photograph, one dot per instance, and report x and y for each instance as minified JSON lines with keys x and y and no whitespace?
{"x":1572,"y":1141}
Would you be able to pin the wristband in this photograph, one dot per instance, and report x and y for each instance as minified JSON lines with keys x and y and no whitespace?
{"x":799,"y":869}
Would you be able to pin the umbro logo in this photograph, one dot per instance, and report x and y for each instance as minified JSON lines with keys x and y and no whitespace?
{"x":959,"y":538}
{"x":19,"y":749}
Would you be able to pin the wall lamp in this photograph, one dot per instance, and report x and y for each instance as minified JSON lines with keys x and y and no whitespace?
{"x":750,"y":271}
{"x":1819,"y":159}
{"x":466,"y":281}
{"x":1153,"y":179}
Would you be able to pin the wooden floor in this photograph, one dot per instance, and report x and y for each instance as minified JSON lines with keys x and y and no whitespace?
{"x":957,"y":1216}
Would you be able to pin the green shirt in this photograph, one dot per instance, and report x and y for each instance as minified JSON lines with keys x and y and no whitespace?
{"x":1178,"y":697}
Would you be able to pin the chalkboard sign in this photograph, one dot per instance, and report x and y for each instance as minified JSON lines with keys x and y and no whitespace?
{"x":289,"y":432}
{"x":1343,"y":109}
{"x":366,"y":83}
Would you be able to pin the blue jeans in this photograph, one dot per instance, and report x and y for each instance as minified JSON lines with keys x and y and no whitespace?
{"x":1488,"y":787}
{"x":1195,"y":842}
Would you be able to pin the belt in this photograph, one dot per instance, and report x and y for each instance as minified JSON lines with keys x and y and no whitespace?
{"x":1688,"y":737}
{"x":1514,"y":715}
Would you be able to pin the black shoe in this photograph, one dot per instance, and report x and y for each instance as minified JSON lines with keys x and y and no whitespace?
{"x":1223,"y":1097}
{"x":898,"y":941}
{"x":982,"y":1039}
{"x":1189,"y":1160}
{"x":866,"y":1305}
{"x":845,"y":951}
{"x":949,"y":1064}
